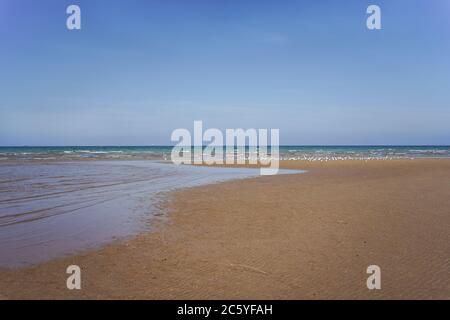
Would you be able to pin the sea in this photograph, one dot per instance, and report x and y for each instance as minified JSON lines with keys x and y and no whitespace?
{"x":308,"y":153}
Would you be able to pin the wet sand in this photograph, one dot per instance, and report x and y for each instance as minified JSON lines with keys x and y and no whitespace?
{"x":309,"y":235}
{"x":48,"y":210}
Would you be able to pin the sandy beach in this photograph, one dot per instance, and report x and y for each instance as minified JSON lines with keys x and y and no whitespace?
{"x":302,"y":236}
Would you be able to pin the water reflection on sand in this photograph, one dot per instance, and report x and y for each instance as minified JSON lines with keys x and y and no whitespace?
{"x":52,"y":209}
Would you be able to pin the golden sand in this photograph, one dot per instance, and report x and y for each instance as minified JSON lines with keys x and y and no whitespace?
{"x":300,"y":236}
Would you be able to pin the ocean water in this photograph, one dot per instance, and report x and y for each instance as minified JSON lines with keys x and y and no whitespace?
{"x":51,"y":209}
{"x":310,"y":153}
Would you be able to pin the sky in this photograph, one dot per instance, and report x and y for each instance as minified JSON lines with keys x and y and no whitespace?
{"x":137,"y":70}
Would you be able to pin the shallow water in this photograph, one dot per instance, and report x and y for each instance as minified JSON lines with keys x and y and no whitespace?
{"x":52,"y":209}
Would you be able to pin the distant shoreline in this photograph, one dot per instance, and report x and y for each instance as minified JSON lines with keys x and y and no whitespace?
{"x":309,"y":153}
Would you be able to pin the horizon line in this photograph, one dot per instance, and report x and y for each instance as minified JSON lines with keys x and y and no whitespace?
{"x":281,"y":145}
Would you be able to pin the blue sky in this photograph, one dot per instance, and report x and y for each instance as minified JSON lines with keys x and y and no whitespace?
{"x":137,"y":70}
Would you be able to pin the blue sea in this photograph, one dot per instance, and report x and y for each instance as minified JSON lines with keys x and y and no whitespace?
{"x":310,"y":153}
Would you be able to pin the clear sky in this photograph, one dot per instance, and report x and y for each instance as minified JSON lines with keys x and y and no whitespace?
{"x":137,"y":70}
